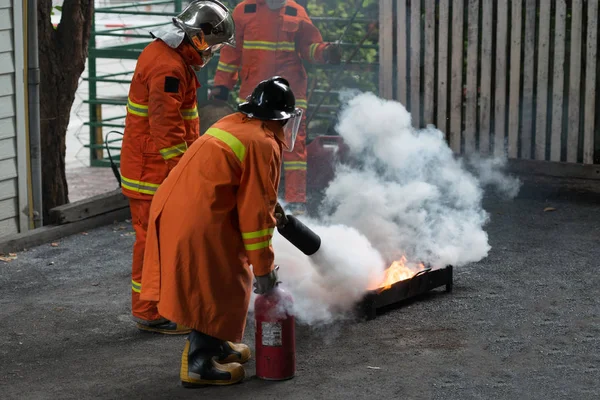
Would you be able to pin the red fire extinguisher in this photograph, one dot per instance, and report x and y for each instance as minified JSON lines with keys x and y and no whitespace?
{"x":275,"y":336}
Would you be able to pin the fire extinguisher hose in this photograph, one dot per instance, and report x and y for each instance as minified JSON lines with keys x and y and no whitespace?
{"x":300,"y":235}
{"x":113,"y":165}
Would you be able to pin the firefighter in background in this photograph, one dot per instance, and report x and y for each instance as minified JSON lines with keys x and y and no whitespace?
{"x":162,"y":122}
{"x":210,"y":220}
{"x":273,"y":37}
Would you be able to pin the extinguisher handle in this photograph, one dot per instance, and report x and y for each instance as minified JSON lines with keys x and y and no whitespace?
{"x":265,"y":283}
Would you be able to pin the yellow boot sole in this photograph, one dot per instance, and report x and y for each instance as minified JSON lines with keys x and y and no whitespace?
{"x":236,"y":371}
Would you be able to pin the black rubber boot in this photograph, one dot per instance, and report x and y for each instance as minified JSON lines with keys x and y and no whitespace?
{"x":166,"y":328}
{"x":198,"y":365}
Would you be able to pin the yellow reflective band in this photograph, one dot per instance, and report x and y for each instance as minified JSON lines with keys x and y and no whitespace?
{"x":234,"y":143}
{"x":296,"y":168}
{"x":226,"y":67}
{"x":135,"y":286}
{"x":173,"y":151}
{"x":257,"y":234}
{"x":269,"y":46}
{"x":301,"y":103}
{"x":312,"y":50}
{"x":294,"y":165}
{"x":189,"y":113}
{"x":257,"y":246}
{"x":137,"y":109}
{"x":137,"y":186}
{"x":294,"y":162}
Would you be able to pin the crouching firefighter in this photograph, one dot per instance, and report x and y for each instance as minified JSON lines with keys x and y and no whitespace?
{"x":162,"y":122}
{"x":213,"y":218}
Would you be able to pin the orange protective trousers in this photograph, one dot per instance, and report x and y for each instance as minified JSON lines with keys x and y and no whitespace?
{"x":140,"y":213}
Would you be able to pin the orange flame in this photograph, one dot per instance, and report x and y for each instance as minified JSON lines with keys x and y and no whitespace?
{"x":400,"y":270}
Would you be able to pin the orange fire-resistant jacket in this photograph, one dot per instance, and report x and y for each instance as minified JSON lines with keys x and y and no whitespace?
{"x":162,"y":118}
{"x":270,"y":43}
{"x":210,"y":220}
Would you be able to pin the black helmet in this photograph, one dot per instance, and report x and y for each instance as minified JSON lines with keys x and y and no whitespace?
{"x":271,"y":100}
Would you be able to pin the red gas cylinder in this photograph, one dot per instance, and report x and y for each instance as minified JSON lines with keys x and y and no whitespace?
{"x":275,"y":336}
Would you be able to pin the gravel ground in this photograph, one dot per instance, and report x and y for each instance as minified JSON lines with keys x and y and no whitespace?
{"x":523,"y":323}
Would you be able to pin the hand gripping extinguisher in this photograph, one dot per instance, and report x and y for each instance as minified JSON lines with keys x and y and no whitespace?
{"x":275,"y":336}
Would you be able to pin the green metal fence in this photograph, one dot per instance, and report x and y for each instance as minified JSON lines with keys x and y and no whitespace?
{"x":353,"y":74}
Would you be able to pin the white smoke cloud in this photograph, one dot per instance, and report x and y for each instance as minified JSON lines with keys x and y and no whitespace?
{"x":327,"y":284}
{"x":406,"y":193}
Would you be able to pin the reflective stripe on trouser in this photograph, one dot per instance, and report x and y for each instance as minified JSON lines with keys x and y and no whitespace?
{"x":140,"y":212}
{"x":294,"y":168}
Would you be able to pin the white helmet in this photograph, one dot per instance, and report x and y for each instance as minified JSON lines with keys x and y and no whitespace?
{"x":208,"y":25}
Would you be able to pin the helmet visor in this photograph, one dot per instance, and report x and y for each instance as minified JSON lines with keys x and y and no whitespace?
{"x":290,"y":129}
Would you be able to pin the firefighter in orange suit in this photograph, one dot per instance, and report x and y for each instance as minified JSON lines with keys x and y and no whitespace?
{"x":211,"y":219}
{"x":273,"y":37}
{"x":162,"y":122}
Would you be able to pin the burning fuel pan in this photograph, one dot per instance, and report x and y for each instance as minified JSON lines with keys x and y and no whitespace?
{"x":421,"y":283}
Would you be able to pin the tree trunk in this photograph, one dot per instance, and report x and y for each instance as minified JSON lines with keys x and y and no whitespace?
{"x":63,"y":53}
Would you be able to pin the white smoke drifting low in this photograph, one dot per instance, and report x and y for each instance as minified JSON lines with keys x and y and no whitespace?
{"x":407,"y":194}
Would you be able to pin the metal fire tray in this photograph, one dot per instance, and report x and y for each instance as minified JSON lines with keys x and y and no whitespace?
{"x":421,"y":283}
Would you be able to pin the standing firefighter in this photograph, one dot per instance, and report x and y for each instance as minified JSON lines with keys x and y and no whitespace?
{"x":162,"y":121}
{"x":273,"y":37}
{"x":210,"y":220}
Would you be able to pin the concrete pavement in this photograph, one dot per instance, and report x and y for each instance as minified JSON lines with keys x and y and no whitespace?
{"x":524,"y":323}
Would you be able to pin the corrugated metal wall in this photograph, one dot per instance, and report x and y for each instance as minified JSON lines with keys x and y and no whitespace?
{"x":9,"y":123}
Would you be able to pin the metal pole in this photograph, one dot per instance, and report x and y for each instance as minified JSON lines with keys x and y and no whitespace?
{"x":92,"y":91}
{"x":33,"y":87}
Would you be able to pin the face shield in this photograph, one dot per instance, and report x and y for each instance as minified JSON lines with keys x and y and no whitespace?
{"x":206,"y":51}
{"x":290,"y":129}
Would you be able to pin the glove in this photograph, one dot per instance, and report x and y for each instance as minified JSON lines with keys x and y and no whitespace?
{"x":266,"y":283}
{"x":280,"y":215}
{"x":219,"y":93}
{"x":333,"y":54}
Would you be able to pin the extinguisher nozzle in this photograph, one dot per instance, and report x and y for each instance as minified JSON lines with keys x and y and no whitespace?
{"x":300,"y":235}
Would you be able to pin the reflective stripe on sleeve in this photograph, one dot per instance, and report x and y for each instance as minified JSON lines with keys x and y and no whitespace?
{"x":257,"y":234}
{"x":137,"y":109}
{"x":312,"y":49}
{"x":231,"y":141}
{"x":138,"y":186}
{"x":257,"y":246}
{"x":265,"y":234}
{"x":301,"y":103}
{"x":136,"y":286}
{"x":189,"y":113}
{"x":169,"y":152}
